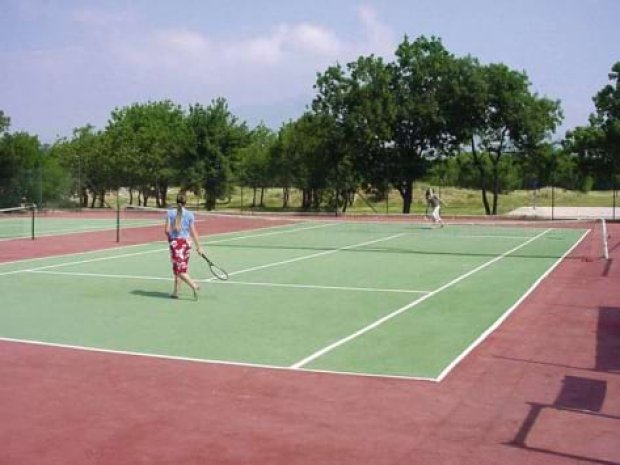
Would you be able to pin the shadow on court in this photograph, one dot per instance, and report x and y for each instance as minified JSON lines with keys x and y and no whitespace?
{"x":156,"y":294}
{"x":576,"y":425}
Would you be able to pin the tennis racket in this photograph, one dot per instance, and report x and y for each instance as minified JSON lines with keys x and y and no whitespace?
{"x":217,"y":271}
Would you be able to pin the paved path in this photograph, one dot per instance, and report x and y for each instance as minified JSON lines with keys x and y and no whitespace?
{"x":567,"y":212}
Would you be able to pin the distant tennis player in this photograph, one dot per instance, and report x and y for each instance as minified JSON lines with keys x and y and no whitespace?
{"x":427,"y":195}
{"x":435,"y":202}
{"x":181,"y":230}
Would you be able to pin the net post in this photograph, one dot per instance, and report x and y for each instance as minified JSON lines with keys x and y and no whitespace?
{"x":605,"y":244}
{"x":32,"y":211}
{"x":118,"y":218}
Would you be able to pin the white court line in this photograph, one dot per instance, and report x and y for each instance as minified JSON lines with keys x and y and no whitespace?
{"x":507,"y":313}
{"x":246,"y":270}
{"x":102,"y":275}
{"x":205,"y":360}
{"x":158,"y":250}
{"x":375,"y":324}
{"x":307,"y":257}
{"x":240,"y":283}
{"x":336,"y":288}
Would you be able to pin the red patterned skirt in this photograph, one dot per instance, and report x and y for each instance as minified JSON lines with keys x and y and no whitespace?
{"x":179,"y":255}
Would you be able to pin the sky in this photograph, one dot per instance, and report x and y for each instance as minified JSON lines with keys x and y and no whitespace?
{"x":65,"y":64}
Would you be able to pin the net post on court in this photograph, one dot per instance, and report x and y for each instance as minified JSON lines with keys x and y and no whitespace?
{"x":17,"y":220}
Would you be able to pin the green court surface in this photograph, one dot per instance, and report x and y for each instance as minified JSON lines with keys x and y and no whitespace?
{"x":398,"y":300}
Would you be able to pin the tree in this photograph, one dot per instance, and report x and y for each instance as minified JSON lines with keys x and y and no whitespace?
{"x":607,"y":102}
{"x":5,"y":122}
{"x":216,"y":136}
{"x":27,"y":171}
{"x":254,"y":168}
{"x":283,"y":161}
{"x":332,"y":107}
{"x":505,"y":118}
{"x":21,"y":165}
{"x":421,"y":92}
{"x":144,"y":140}
{"x":303,"y":157}
{"x":371,"y":115}
{"x":597,"y":146}
{"x":389,"y":117}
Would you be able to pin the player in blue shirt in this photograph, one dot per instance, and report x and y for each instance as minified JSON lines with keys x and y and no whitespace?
{"x":181,"y":231}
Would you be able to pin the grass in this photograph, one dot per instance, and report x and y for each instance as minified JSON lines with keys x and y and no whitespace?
{"x":458,"y":201}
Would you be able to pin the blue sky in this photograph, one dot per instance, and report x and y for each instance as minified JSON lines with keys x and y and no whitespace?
{"x":64,"y":64}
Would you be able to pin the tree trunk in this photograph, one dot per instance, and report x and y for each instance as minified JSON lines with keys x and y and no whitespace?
{"x":285,"y":197}
{"x":483,"y":177}
{"x":406,"y":192}
{"x":210,"y":201}
{"x":317,"y":197}
{"x":84,"y":198}
{"x":163,"y":193}
{"x":495,"y":161}
{"x":306,"y":199}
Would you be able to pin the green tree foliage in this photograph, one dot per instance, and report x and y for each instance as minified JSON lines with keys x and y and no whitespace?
{"x":390,"y":117}
{"x":333,"y":106}
{"x":370,"y":116}
{"x":597,"y":146}
{"x":28,"y":174}
{"x":21,"y":162}
{"x":144,"y":140}
{"x":506,"y":117}
{"x":421,"y":93}
{"x":210,"y":159}
{"x":304,"y":157}
{"x":87,"y":156}
{"x":286,"y":158}
{"x":5,"y":122}
{"x":373,"y":124}
{"x":255,"y":168}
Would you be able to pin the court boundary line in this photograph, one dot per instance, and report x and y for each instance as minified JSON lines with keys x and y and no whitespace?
{"x":207,"y":361}
{"x":246,"y":270}
{"x":244,"y":283}
{"x":308,"y":257}
{"x":504,"y":316}
{"x":319,"y":353}
{"x":3,"y":273}
{"x":301,"y":368}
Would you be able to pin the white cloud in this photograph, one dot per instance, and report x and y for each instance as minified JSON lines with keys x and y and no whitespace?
{"x":315,"y":40}
{"x":381,"y":39}
{"x":120,"y":58}
{"x":276,"y":64}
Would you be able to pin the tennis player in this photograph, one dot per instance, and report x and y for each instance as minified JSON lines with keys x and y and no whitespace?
{"x":181,"y":231}
{"x":427,"y":195}
{"x":435,"y":202}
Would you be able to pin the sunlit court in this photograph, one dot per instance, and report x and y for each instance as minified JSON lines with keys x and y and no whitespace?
{"x":392,"y":299}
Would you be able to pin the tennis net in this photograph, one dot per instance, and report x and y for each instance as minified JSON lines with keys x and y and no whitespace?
{"x":460,"y":236}
{"x":17,"y":222}
{"x":149,"y":222}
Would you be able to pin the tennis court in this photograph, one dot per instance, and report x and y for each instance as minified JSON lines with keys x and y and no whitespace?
{"x":25,"y":222}
{"x":390,"y":299}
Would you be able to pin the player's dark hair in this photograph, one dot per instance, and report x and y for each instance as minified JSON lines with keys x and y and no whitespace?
{"x":180,"y":203}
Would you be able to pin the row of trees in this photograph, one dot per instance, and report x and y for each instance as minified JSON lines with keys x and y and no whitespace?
{"x":373,"y":124}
